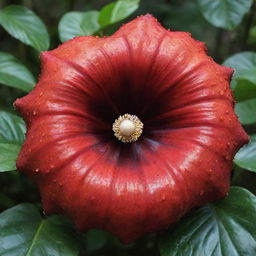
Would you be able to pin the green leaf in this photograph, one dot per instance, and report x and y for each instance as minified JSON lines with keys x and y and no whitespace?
{"x":226,"y":14}
{"x":95,"y":239}
{"x":244,"y":90}
{"x":25,"y":26}
{"x":8,"y":156}
{"x":248,"y":74}
{"x":246,"y":156}
{"x":246,"y":111}
{"x":90,"y":23}
{"x":240,"y":62}
{"x":246,"y":84}
{"x":23,"y":232}
{"x":15,"y":74}
{"x":252,"y":35}
{"x":223,"y":228}
{"x":117,"y":11}
{"x":74,"y":24}
{"x":12,"y":130}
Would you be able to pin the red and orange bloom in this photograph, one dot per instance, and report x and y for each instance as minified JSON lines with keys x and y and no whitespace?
{"x":129,"y":132}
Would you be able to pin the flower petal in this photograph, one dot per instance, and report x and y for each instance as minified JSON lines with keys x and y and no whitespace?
{"x":184,"y":156}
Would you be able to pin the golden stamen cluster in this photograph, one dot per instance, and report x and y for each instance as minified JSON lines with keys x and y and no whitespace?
{"x":127,"y":128}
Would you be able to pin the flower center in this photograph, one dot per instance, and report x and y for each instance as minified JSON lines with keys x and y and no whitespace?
{"x":127,"y":128}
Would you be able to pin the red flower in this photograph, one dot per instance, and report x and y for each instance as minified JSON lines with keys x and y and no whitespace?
{"x":174,"y":154}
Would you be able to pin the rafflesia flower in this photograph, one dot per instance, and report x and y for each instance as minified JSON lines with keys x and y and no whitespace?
{"x":129,"y":132}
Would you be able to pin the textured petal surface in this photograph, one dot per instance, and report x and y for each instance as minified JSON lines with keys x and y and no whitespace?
{"x":182,"y":160}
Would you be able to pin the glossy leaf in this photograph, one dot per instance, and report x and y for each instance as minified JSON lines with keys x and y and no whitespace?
{"x":25,"y":25}
{"x":244,"y":90}
{"x":90,"y":23}
{"x":226,"y":14}
{"x":246,"y":156}
{"x":117,"y":11}
{"x":240,"y":62}
{"x":248,"y":74}
{"x":15,"y":74}
{"x":12,"y":130}
{"x":23,"y":232}
{"x":246,"y":111}
{"x":74,"y":24}
{"x":95,"y":239}
{"x":223,"y":228}
{"x":8,"y":156}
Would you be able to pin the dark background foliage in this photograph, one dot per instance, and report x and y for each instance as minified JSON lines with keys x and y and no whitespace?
{"x":184,"y":15}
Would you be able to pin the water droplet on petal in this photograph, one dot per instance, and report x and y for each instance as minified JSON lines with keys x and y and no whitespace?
{"x":228,"y":157}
